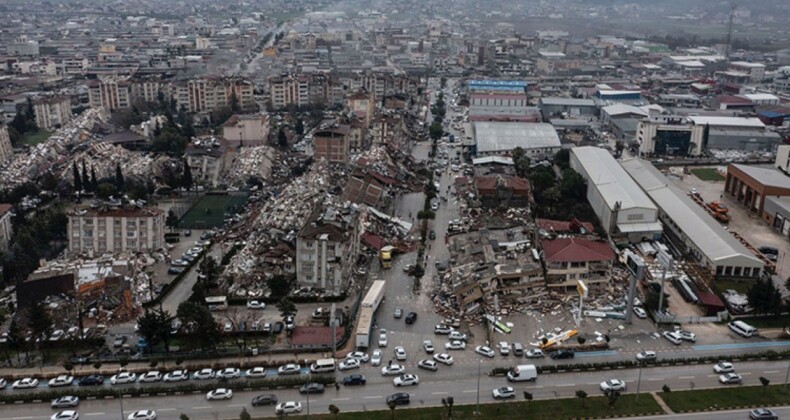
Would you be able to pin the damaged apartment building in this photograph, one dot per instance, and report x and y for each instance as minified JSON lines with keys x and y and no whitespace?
{"x":494,"y":263}
{"x":327,"y":247}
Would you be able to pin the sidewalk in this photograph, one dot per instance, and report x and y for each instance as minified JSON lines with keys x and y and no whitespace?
{"x":661,"y":403}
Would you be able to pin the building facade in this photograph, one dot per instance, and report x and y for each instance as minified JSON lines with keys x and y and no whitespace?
{"x":52,"y":112}
{"x":664,"y":135}
{"x":750,"y":185}
{"x":133,"y":229}
{"x":110,"y":94}
{"x":6,"y":152}
{"x":246,"y":130}
{"x":569,"y":260}
{"x":6,"y":230}
{"x":332,"y":144}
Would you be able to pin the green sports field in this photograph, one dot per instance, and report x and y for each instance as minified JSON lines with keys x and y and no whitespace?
{"x":210,"y":211}
{"x":707,"y":174}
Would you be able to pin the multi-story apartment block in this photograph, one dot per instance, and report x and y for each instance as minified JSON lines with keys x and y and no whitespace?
{"x":5,"y":227}
{"x":327,"y":247}
{"x":288,"y":90}
{"x":110,"y":93}
{"x":569,"y":260}
{"x":207,"y":94}
{"x":52,"y":111}
{"x":5,"y":145}
{"x":331,"y":89}
{"x":332,"y":144}
{"x":116,"y":229}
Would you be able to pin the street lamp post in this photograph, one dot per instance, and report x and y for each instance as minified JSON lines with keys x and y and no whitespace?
{"x":479,"y":364}
{"x":308,"y":396}
{"x":120,"y":398}
{"x":639,"y":381}
{"x":787,"y":375}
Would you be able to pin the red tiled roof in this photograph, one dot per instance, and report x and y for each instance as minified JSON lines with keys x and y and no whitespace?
{"x":5,"y":208}
{"x":563,"y":225}
{"x":372,"y":240}
{"x":576,"y":250}
{"x":730,"y":99}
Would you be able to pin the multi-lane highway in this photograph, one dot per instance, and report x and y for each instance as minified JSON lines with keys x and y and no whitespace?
{"x":461,"y":385}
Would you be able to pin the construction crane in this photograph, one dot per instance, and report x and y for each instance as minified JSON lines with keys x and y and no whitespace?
{"x":729,"y":32}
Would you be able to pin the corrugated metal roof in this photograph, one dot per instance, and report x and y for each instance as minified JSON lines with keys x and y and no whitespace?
{"x":767,"y":176}
{"x":610,"y":179}
{"x":714,"y":121}
{"x":706,"y":233}
{"x":506,"y":136}
{"x":560,"y":101}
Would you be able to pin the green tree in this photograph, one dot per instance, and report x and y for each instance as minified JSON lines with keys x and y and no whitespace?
{"x":282,"y":139}
{"x":612,"y":396}
{"x":77,"y":177}
{"x":764,"y":297}
{"x":580,"y":339}
{"x":40,"y":322}
{"x":582,"y":395}
{"x":119,"y":181}
{"x":392,"y":405}
{"x":186,"y":178}
{"x":436,"y":131}
{"x":521,"y":162}
{"x":448,"y":402}
{"x":16,"y":338}
{"x":234,"y":102}
{"x":528,"y":396}
{"x":334,"y":410}
{"x":183,"y":417}
{"x":154,"y":327}
{"x":244,"y":415}
{"x":765,"y":382}
{"x":205,"y":332}
{"x":94,"y":183}
{"x":97,"y":365}
{"x":573,"y":185}
{"x":563,"y":158}
{"x":286,"y":307}
{"x":86,"y":179}
{"x":172,"y":220}
{"x":666,"y":388}
{"x":299,"y":128}
{"x":279,"y":286}
{"x":105,"y":190}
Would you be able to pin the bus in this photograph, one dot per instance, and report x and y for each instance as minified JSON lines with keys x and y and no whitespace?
{"x":217,"y":303}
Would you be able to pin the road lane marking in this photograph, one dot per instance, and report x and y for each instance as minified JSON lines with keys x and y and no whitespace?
{"x":565,"y":385}
{"x":95,"y":414}
{"x":340,"y":399}
{"x":371,"y":398}
{"x":469,"y":391}
{"x":165,"y":409}
{"x":654,"y":379}
{"x":713,"y":376}
{"x":686,"y":377}
{"x":236,"y":405}
{"x":771,"y":371}
{"x":746,"y":373}
{"x":439,"y":393}
{"x":203,"y":407}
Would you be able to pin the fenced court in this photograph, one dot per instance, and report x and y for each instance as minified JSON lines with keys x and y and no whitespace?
{"x":209,"y":211}
{"x":707,"y":174}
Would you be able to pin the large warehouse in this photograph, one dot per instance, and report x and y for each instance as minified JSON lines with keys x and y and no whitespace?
{"x":621,"y":206}
{"x":539,"y":140}
{"x":691,"y":228}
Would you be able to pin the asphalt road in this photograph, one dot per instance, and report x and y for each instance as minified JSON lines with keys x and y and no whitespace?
{"x":461,"y":384}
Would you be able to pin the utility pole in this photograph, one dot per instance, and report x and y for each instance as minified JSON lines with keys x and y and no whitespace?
{"x":729,"y":32}
{"x":333,"y":323}
{"x":639,"y":381}
{"x":667,"y":263}
{"x":479,"y":364}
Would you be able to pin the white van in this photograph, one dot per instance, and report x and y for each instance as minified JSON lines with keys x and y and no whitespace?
{"x":323,"y":366}
{"x":522,"y":373}
{"x":742,"y":328}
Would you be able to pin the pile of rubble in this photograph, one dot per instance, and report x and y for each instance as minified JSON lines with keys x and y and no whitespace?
{"x":103,"y":157}
{"x":250,"y":162}
{"x":50,"y":153}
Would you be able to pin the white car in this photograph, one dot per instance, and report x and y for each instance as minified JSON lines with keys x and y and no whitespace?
{"x":219,"y":394}
{"x":228,"y":373}
{"x":673,"y":337}
{"x":427,"y":345}
{"x":457,"y":335}
{"x":428,"y":364}
{"x":25,"y":383}
{"x":62,"y":380}
{"x":455,"y":345}
{"x":152,"y":376}
{"x":444,"y":358}
{"x":142,"y":415}
{"x":57,"y":335}
{"x":504,"y":393}
{"x":504,"y":348}
{"x":360,"y":356}
{"x":400,"y":353}
{"x":723,"y":367}
{"x":534,"y":354}
{"x":485,"y":351}
{"x":613,"y":385}
{"x":383,"y":338}
{"x":256,"y":372}
{"x":176,"y":376}
{"x":641,"y":313}
{"x":66,"y":401}
{"x":646,"y":355}
{"x":123,"y":378}
{"x":688,"y":336}
{"x":254,"y":304}
{"x":65,"y":415}
{"x":203,"y":374}
{"x":375,"y":360}
{"x":731,"y":378}
{"x":349,"y":364}
{"x":393,"y":369}
{"x":289,"y":369}
{"x":442,"y":329}
{"x":408,"y":379}
{"x":288,"y":407}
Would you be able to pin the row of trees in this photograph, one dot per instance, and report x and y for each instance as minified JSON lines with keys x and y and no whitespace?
{"x":24,"y":122}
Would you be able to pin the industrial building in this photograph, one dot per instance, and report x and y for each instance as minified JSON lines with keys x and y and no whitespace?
{"x":692,"y":230}
{"x":751,"y":185}
{"x":621,"y":206}
{"x":539,"y":141}
{"x":552,"y":106}
{"x":669,"y":135}
{"x":737,"y":133}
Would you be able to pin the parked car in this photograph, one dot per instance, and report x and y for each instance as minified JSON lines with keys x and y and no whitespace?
{"x":444,"y":358}
{"x":504,"y":348}
{"x":66,"y":401}
{"x":504,"y":393}
{"x":455,"y":345}
{"x":119,"y":341}
{"x":411,"y":318}
{"x":65,"y":415}
{"x":613,"y":385}
{"x":457,"y":335}
{"x":427,"y":345}
{"x":442,"y":329}
{"x":203,"y":374}
{"x":264,"y":399}
{"x":770,"y":252}
{"x":173,"y":270}
{"x":288,"y":407}
{"x":400,"y":353}
{"x":256,"y":372}
{"x":408,"y":379}
{"x":91,"y":380}
{"x":398,"y":313}
{"x":219,"y":394}
{"x":62,"y":380}
{"x":673,"y":337}
{"x":687,"y":336}
{"x":349,"y":364}
{"x":152,"y":376}
{"x":646,"y":356}
{"x":641,"y":313}
{"x":123,"y":378}
{"x":312,"y":388}
{"x":399,"y":398}
{"x":289,"y":369}
{"x":354,"y":380}
{"x":485,"y":351}
{"x":428,"y":364}
{"x":383,"y":338}
{"x":360,"y":356}
{"x":723,"y":367}
{"x":375,"y":360}
{"x":762,"y":414}
{"x":142,"y":415}
{"x":25,"y":383}
{"x":392,"y":370}
{"x":730,"y":378}
{"x":534,"y":354}
{"x":228,"y":373}
{"x":562,"y":354}
{"x":176,"y":376}
{"x":254,"y":304}
{"x":278,"y":327}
